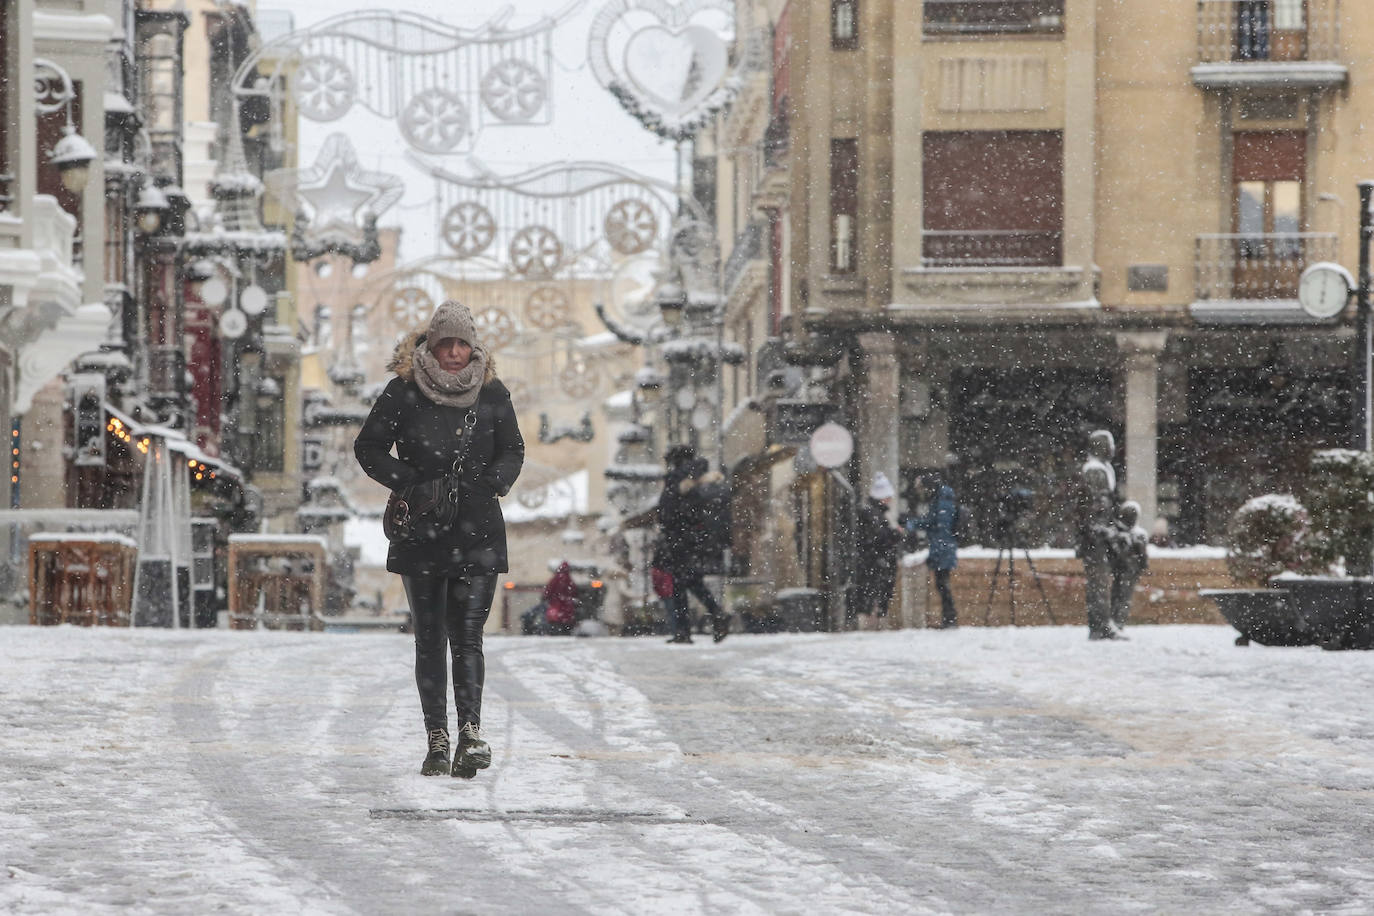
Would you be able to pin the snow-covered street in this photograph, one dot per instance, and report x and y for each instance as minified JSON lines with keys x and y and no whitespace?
{"x":919,"y":771}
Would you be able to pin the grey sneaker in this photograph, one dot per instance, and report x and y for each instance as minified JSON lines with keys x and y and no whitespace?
{"x":436,"y":761}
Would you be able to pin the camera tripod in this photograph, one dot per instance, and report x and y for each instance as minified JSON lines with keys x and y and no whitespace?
{"x":1006,"y":544}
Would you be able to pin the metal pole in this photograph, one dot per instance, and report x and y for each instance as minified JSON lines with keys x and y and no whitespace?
{"x":1360,"y":367}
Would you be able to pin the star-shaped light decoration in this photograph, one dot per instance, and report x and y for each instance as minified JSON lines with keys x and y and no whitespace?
{"x":336,"y":202}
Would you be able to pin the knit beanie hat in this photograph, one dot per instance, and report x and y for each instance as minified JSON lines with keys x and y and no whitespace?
{"x":882,"y":487}
{"x":451,"y":319}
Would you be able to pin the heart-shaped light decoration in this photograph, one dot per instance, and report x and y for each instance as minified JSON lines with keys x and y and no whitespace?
{"x":667,"y":64}
{"x":676,"y":69}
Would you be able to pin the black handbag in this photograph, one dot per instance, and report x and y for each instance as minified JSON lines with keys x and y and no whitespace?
{"x":428,"y":510}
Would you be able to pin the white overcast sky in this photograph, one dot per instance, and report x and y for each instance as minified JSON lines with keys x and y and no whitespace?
{"x":588,"y":124}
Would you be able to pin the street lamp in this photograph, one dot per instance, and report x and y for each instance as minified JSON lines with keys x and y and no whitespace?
{"x":152,"y":205}
{"x":73,"y":154}
{"x":672,"y":303}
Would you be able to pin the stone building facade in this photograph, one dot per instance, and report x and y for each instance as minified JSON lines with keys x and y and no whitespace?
{"x":973,"y":232}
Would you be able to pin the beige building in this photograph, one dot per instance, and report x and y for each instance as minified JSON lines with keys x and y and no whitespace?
{"x":982,"y":230}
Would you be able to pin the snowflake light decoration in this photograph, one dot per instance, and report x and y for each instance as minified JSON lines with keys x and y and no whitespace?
{"x":535,"y":252}
{"x":630,"y":226}
{"x":577,"y":379}
{"x":495,"y":328}
{"x":411,"y":306}
{"x":324,"y":88}
{"x":468,"y":228}
{"x":513,"y":90}
{"x":434,"y":121}
{"x":547,"y":308}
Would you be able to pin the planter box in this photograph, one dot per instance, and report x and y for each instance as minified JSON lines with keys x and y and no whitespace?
{"x":1265,"y":615}
{"x":1339,"y":612}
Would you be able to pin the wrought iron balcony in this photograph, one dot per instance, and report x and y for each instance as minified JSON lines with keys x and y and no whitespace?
{"x":1267,"y":31}
{"x":748,"y":248}
{"x":1258,"y":266}
{"x":962,"y":17}
{"x":991,"y":248}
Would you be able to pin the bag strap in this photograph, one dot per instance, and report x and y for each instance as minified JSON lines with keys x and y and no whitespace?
{"x":455,"y":478}
{"x":469,"y":424}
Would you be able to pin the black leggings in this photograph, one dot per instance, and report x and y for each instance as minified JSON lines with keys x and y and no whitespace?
{"x":452,"y":610}
{"x":948,"y":616}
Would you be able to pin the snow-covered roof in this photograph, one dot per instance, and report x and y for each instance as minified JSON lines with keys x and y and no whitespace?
{"x":97,"y":537}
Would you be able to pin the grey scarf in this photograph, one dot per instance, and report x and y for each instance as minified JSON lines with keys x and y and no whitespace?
{"x":451,"y":389}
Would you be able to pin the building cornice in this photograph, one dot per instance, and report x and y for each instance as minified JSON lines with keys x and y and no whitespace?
{"x":95,"y":28}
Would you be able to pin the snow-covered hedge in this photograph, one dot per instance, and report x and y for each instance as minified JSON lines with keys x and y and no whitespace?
{"x":1340,"y":496}
{"x":1267,"y":536}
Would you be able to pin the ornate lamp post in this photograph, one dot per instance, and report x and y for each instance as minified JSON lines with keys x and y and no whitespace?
{"x":73,"y":154}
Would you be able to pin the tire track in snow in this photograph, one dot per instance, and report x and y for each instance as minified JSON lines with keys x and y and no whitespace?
{"x":304,"y":810}
{"x":737,"y":855}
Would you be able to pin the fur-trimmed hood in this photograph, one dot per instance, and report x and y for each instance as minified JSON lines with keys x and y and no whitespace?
{"x":402,"y":360}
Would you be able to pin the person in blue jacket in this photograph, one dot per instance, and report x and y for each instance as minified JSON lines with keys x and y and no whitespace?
{"x":943,"y":556}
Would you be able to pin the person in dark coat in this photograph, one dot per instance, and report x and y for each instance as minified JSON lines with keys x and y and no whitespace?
{"x":446,"y":389}
{"x":876,"y":545}
{"x":942,"y":555}
{"x":682,"y":519}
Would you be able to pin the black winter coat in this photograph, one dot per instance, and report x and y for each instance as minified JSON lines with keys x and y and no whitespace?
{"x":426,"y":436}
{"x":676,"y":549}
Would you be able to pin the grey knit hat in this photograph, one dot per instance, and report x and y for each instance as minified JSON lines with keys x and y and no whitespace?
{"x":451,"y":319}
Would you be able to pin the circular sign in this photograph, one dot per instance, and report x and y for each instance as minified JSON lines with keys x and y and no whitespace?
{"x":831,"y":445}
{"x":1324,"y":289}
{"x":214,"y":291}
{"x":253,"y":300}
{"x":232,"y":323}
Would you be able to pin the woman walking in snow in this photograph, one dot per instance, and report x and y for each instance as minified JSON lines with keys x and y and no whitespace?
{"x":447,"y":407}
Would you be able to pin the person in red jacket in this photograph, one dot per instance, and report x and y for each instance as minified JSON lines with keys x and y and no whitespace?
{"x":560,"y":598}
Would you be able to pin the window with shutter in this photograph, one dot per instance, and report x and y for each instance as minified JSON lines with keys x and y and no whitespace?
{"x":844,"y":205}
{"x":993,"y":198}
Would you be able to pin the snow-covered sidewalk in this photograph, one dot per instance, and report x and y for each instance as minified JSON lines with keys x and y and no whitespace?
{"x":1004,"y":770}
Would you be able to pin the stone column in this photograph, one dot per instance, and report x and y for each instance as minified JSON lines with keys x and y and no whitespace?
{"x":876,"y":440}
{"x":1140,"y":358}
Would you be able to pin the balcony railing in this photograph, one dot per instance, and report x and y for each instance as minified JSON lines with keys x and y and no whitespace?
{"x":991,"y":248}
{"x":993,"y":16}
{"x":748,"y":247}
{"x":1258,"y":266}
{"x":1265,"y":31}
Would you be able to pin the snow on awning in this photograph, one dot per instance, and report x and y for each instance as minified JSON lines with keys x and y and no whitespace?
{"x":175,"y":442}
